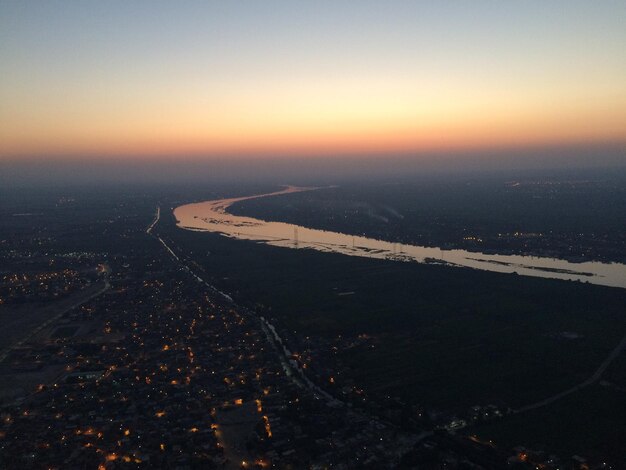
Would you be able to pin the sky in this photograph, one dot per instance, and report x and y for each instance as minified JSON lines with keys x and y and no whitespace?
{"x":93,"y":80}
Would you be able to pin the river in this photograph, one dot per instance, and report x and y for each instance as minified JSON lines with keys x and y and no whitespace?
{"x":212,"y":216}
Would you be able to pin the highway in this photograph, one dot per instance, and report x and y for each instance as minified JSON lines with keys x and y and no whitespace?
{"x":294,"y":372}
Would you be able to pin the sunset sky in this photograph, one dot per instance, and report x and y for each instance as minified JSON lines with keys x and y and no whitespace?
{"x":95,"y":79}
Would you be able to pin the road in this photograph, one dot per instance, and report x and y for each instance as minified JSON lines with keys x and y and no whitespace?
{"x":295,"y":373}
{"x":157,"y":216}
{"x":50,"y":321}
{"x":592,"y":379}
{"x":300,"y":378}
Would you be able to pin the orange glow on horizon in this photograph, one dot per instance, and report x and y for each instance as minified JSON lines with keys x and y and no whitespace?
{"x":383,"y":137}
{"x":324,"y":122}
{"x":224,"y":80}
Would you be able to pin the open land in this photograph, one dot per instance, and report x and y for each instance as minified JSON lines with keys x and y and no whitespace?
{"x":175,"y":364}
{"x":447,"y":339}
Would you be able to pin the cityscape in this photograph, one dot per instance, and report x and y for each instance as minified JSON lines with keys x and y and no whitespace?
{"x":312,"y":235}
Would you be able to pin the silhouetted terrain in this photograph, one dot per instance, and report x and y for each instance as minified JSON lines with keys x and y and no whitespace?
{"x":115,"y":346}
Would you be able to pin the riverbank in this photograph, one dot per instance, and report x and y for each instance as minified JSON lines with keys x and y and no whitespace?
{"x":213,"y":216}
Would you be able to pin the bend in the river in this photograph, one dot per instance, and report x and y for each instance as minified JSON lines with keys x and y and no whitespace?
{"x":212,"y":216}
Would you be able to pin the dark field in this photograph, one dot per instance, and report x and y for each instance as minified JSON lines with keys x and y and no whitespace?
{"x":594,"y":418}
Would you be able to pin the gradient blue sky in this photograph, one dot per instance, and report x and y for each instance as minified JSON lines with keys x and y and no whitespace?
{"x":94,"y":79}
